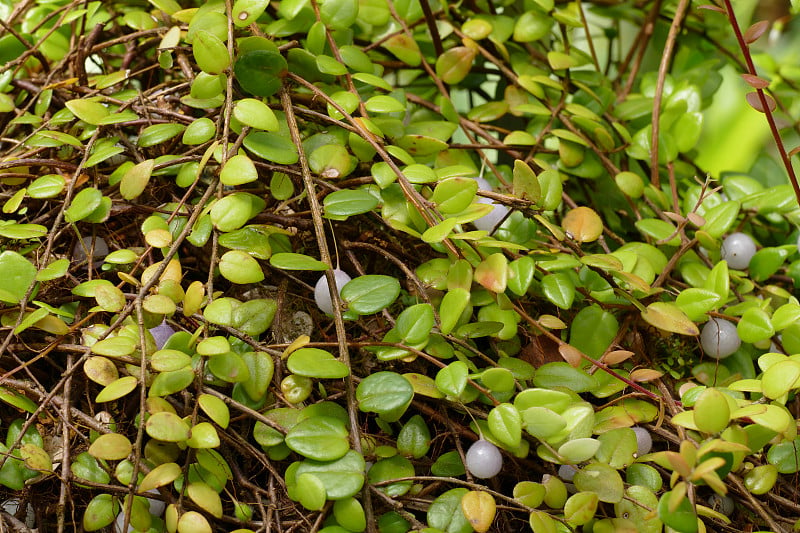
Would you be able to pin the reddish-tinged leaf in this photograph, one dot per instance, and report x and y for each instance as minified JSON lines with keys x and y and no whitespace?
{"x":755,"y":102}
{"x":755,"y":82}
{"x":755,"y":31}
{"x":712,"y":8}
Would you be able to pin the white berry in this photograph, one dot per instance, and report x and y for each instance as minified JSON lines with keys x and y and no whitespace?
{"x":644,"y":441}
{"x":489,"y":221}
{"x":484,"y":460}
{"x":322,"y":294}
{"x":737,"y":250}
{"x":719,"y":338}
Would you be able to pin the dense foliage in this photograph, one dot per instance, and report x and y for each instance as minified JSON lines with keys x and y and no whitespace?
{"x":348,"y":265}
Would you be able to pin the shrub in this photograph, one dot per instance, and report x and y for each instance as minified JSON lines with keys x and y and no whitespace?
{"x":510,"y":216}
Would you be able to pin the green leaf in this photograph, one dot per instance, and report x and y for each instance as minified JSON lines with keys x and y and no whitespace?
{"x":272,"y":147}
{"x":111,"y":447}
{"x":592,"y":330}
{"x":542,"y":522}
{"x":229,"y":366}
{"x":445,"y":512}
{"x":342,"y":478}
{"x":718,"y":280}
{"x":231,"y":212}
{"x":779,"y":379}
{"x":292,"y":261}
{"x":159,"y":133}
{"x":246,"y":12}
{"x":755,"y":325}
{"x":404,"y":48}
{"x":89,"y":111}
{"x":83,"y":204}
{"x":348,"y":202}
{"x":697,"y":302}
{"x":385,"y":393}
{"x":526,"y":184}
{"x":392,"y":468}
{"x":100,"y":512}
{"x":256,"y":114}
{"x":681,"y":518}
{"x":311,"y":492}
{"x":261,"y":369}
{"x":454,"y":64}
{"x":559,"y":289}
{"x":580,"y":508}
{"x":414,"y":438}
{"x":452,"y":379}
{"x":210,"y":53}
{"x":617,"y":448}
{"x":205,"y":497}
{"x":712,"y":412}
{"x":384,"y":104}
{"x":658,"y":229}
{"x":505,"y":423}
{"x":542,"y":422}
{"x":720,"y":218}
{"x":240,"y":267}
{"x":415,"y":323}
{"x":117,"y":389}
{"x":668,"y":316}
{"x":170,"y":382}
{"x":316,"y":363}
{"x":371,"y":293}
{"x":17,"y":400}
{"x":135,"y":180}
{"x":766,"y":262}
{"x":260,"y":72}
{"x":320,"y":438}
{"x":785,"y":456}
{"x":561,"y":374}
{"x":53,"y":139}
{"x":47,"y":186}
{"x":168,"y":427}
{"x":18,"y":274}
{"x":453,"y":195}
{"x":785,"y":316}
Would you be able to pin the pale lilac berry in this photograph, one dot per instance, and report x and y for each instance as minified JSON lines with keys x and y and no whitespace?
{"x":322,"y":294}
{"x":644,"y":441}
{"x":737,"y":250}
{"x":161,"y":334}
{"x":484,"y":460}
{"x":719,"y":338}
{"x":489,"y":221}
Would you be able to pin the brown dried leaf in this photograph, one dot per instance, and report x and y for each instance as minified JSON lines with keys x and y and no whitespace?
{"x":755,"y":82}
{"x":615,"y":357}
{"x":571,"y":355}
{"x":675,"y":217}
{"x":755,"y":102}
{"x":712,"y":8}
{"x":645,"y":374}
{"x":696,"y":219}
{"x":755,"y":31}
